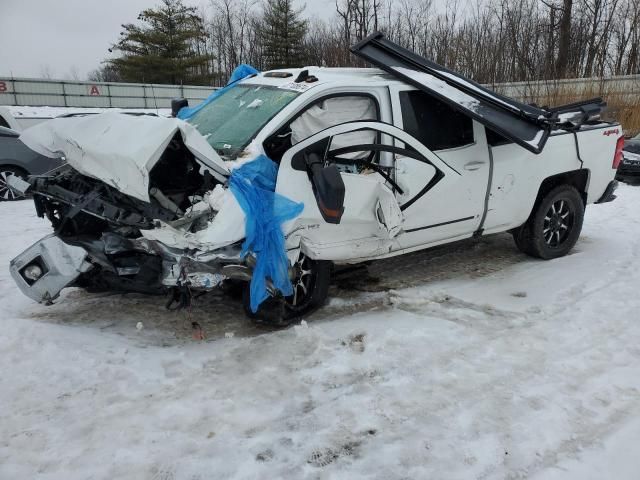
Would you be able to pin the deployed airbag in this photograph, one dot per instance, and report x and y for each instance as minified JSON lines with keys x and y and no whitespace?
{"x":334,"y":111}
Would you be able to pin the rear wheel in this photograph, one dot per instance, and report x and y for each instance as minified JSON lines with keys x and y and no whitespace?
{"x":310,"y":289}
{"x":554,"y":226}
{"x":7,"y":194}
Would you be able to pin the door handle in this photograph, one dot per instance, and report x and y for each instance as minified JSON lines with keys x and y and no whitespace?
{"x":473,"y":166}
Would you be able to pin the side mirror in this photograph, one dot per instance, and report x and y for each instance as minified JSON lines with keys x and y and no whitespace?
{"x":177,"y":104}
{"x":328,"y":188}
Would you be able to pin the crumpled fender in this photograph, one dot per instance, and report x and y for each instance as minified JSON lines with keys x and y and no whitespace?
{"x":226,"y":228}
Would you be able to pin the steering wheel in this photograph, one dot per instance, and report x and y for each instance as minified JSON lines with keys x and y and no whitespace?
{"x":368,"y":164}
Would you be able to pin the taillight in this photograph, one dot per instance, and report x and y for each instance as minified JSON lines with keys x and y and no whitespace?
{"x":617,"y":158}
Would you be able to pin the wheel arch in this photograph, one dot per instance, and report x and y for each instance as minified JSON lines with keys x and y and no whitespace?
{"x":4,"y":164}
{"x":579,"y":179}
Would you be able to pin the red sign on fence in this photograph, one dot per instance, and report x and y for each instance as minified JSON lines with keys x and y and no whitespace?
{"x":3,"y":87}
{"x":94,"y":90}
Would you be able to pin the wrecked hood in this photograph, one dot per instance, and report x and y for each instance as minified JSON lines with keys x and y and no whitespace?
{"x":119,"y":149}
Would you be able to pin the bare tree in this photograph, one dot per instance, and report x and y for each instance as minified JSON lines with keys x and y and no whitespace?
{"x":492,"y":41}
{"x":46,"y":71}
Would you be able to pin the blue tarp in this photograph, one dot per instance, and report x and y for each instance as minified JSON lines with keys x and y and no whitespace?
{"x":241,"y":71}
{"x":253,"y":185}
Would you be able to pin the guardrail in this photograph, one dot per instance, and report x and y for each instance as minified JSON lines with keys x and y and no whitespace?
{"x":63,"y":93}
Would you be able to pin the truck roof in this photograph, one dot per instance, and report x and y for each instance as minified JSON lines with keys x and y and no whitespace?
{"x":325,"y":75}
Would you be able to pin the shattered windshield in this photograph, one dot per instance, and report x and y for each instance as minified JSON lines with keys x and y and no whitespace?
{"x":234,"y":118}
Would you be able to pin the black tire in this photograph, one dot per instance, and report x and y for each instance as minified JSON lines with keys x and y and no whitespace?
{"x":554,"y":226}
{"x":6,"y":193}
{"x":311,"y":287}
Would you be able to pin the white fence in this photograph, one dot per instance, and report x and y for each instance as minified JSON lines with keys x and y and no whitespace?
{"x":608,"y":87}
{"x":63,"y":93}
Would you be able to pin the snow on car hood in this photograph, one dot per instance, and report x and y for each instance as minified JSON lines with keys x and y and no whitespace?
{"x":119,"y":149}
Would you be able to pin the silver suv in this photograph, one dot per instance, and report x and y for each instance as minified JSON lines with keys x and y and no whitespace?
{"x":18,"y":159}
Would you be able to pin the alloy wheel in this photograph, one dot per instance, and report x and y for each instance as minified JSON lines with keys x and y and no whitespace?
{"x":302,"y":282}
{"x":6,"y":192}
{"x":558,"y":222}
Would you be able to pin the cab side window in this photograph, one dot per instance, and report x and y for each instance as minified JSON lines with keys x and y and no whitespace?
{"x":434,"y":123}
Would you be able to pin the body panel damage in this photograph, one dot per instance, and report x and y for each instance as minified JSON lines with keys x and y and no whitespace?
{"x":118,"y":149}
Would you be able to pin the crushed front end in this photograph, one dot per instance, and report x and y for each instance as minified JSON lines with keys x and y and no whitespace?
{"x":106,"y":240}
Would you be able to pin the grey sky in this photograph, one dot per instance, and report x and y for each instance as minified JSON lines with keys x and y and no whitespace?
{"x":70,"y":37}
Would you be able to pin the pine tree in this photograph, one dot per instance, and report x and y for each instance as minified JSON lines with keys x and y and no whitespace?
{"x":165,"y":48}
{"x":283,"y":33}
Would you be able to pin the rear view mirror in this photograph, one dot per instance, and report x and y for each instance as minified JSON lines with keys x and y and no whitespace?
{"x":328,"y":188}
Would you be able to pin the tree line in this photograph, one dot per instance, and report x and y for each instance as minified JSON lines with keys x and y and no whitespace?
{"x":491,"y":41}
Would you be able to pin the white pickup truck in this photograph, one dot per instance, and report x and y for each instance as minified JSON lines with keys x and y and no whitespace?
{"x":386,"y":161}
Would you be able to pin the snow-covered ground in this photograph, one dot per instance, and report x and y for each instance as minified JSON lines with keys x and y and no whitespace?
{"x":470,"y":361}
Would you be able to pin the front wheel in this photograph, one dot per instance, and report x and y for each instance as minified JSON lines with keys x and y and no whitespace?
{"x":310,"y":289}
{"x":7,"y":194}
{"x":554,"y":226}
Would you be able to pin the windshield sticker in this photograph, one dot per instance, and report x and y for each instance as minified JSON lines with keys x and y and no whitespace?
{"x":298,"y":87}
{"x":255,"y":104}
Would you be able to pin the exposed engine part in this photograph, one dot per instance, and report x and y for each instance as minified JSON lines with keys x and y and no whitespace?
{"x":76,"y":204}
{"x":238,"y":272}
{"x":131,"y":272}
{"x":197,"y":275}
{"x":164,"y":201}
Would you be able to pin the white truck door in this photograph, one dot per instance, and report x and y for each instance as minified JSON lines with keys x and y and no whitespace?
{"x":372,"y":221}
{"x":452,"y":209}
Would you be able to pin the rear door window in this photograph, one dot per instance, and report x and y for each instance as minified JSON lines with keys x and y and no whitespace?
{"x":434,"y":123}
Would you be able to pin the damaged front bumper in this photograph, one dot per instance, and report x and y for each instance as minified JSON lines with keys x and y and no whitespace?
{"x":48,"y":266}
